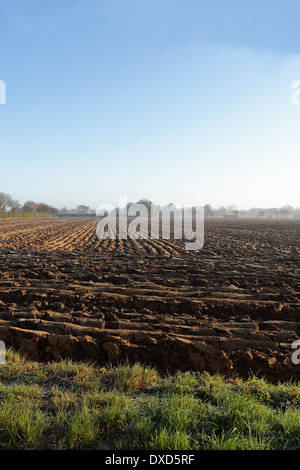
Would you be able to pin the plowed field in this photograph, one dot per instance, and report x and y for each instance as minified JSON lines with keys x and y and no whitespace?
{"x":232,"y":307}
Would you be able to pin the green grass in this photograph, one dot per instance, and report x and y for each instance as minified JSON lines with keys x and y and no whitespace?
{"x":69,"y":405}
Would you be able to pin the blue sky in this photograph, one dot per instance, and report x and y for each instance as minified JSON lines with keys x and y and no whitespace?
{"x":177,"y":101}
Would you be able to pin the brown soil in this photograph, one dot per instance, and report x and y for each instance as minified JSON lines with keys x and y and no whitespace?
{"x":232,"y":307}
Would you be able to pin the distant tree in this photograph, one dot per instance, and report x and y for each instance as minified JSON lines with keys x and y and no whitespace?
{"x":5,"y":201}
{"x":29,"y":206}
{"x":208,"y":211}
{"x":43,"y":208}
{"x":14,"y":205}
{"x":221,"y":211}
{"x":146,"y":203}
{"x":53,"y":210}
{"x":286,"y":211}
{"x":81,"y":209}
{"x":283,"y":211}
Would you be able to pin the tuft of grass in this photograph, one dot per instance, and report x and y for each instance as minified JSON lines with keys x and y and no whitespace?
{"x":77,"y":405}
{"x":82,"y":428}
{"x":166,"y":440}
{"x":23,"y":423}
{"x":129,"y":378}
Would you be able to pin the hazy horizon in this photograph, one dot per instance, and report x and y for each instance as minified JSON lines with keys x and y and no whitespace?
{"x":178,"y":102}
{"x":120,"y":203}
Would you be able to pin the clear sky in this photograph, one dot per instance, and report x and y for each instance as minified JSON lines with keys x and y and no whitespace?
{"x":184,"y":101}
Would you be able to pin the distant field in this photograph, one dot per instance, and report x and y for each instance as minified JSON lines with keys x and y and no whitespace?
{"x":232,"y":307}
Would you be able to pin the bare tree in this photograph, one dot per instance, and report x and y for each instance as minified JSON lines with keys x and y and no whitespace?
{"x":5,"y":201}
{"x":14,"y":205}
{"x":82,"y":209}
{"x":43,"y":208}
{"x":29,"y":206}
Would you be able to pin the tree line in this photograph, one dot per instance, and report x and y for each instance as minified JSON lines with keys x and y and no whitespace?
{"x":286,"y":211}
{"x":230,"y":211}
{"x":9,"y":205}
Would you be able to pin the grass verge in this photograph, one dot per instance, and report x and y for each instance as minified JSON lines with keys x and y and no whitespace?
{"x":69,"y":405}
